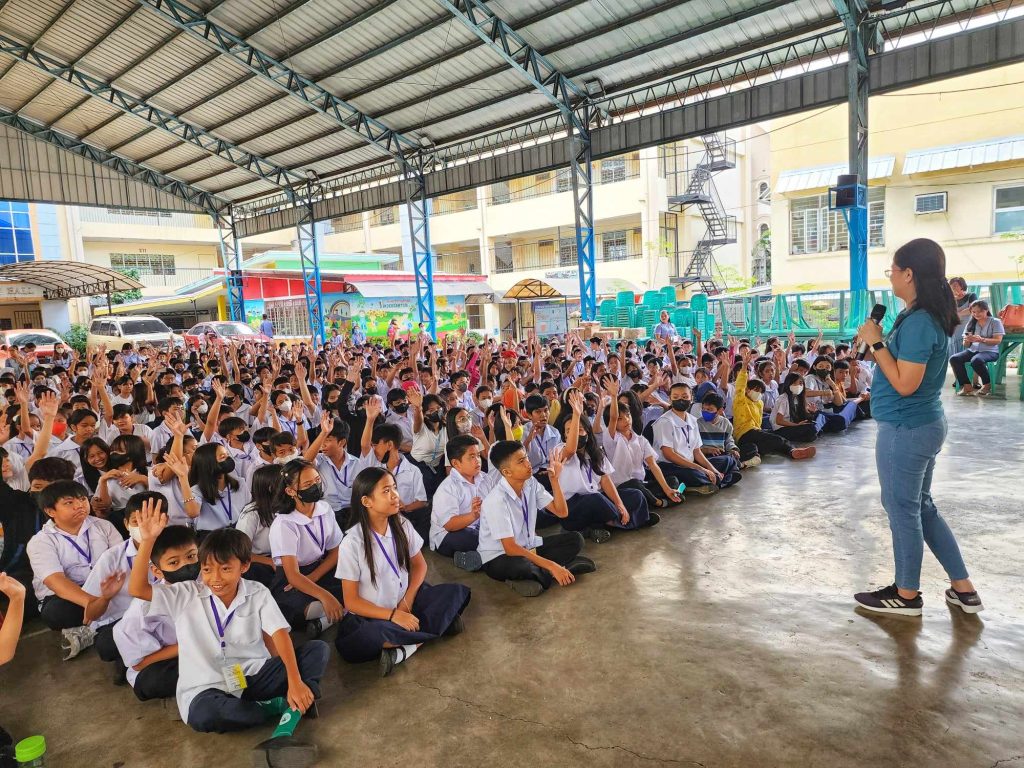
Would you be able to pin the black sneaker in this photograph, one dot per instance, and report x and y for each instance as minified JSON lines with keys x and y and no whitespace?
{"x":456,"y":627}
{"x":388,"y":660}
{"x":525,"y":587}
{"x":597,"y":535}
{"x":284,"y":752}
{"x":581,"y":565}
{"x":653,"y":520}
{"x":888,"y":600}
{"x":468,"y":561}
{"x":968,"y":602}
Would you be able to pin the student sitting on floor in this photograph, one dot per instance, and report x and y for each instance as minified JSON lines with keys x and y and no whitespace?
{"x":509,"y":547}
{"x":10,"y":632}
{"x":455,"y":513}
{"x":539,"y":437}
{"x":391,"y":610}
{"x":304,"y":539}
{"x":337,"y":467}
{"x":790,"y":417}
{"x":105,"y":611}
{"x":62,"y":555}
{"x":716,"y":434}
{"x":256,"y":519}
{"x":839,"y":412}
{"x":147,"y":643}
{"x":748,"y":413}
{"x":227,"y":678}
{"x":220,"y":495}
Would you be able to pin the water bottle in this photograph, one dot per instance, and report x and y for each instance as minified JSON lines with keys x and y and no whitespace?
{"x":681,"y":489}
{"x":31,"y":752}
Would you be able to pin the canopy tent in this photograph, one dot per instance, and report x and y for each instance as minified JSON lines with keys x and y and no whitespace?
{"x":564,"y":288}
{"x":69,"y":279}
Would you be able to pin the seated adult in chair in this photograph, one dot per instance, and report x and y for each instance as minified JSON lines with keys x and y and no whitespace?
{"x":981,"y":347}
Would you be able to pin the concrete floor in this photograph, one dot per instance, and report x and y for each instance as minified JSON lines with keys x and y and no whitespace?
{"x":724,"y":637}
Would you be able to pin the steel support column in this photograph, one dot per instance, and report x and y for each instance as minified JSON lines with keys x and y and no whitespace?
{"x":231,"y":257}
{"x":418,"y":214}
{"x":581,"y":171}
{"x":860,"y":36}
{"x":309,"y":257}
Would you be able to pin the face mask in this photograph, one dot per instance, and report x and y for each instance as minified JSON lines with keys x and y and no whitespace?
{"x":400,"y":408}
{"x":286,"y":459}
{"x":433,"y":418}
{"x":202,"y":408}
{"x":227,"y":466}
{"x":485,"y":403}
{"x":685,"y":370}
{"x":462,"y":387}
{"x":135,"y":532}
{"x":188,"y":572}
{"x":464,"y":426}
{"x":634,"y":375}
{"x":708,"y":416}
{"x":680,"y":405}
{"x":243,"y":437}
{"x":285,"y":406}
{"x":591,"y":412}
{"x":822,"y":373}
{"x":312,"y":494}
{"x":517,"y":432}
{"x":755,"y":396}
{"x":796,"y":389}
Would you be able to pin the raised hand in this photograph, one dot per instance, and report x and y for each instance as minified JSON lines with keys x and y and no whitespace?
{"x":177,"y":465}
{"x":111,"y":586}
{"x":152,"y":519}
{"x":48,"y":405}
{"x":415,"y":398}
{"x":373,"y":408}
{"x":610,"y":386}
{"x":576,"y":402}
{"x":21,"y":392}
{"x":555,"y":463}
{"x":326,"y":423}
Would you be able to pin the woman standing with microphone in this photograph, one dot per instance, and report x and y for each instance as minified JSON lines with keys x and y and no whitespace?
{"x":910,"y":369}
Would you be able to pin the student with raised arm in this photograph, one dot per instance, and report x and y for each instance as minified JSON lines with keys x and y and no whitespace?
{"x":509,"y":546}
{"x":228,"y":679}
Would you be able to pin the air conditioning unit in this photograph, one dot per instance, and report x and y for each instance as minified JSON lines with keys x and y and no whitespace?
{"x":933,"y":202}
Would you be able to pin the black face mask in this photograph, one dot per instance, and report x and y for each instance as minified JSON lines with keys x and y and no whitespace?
{"x":227,"y":466}
{"x":243,"y":437}
{"x":822,"y":373}
{"x":188,"y":572}
{"x":311,"y":495}
{"x":400,"y":408}
{"x":680,"y":405}
{"x":432,"y":418}
{"x":370,"y":391}
{"x":634,"y":375}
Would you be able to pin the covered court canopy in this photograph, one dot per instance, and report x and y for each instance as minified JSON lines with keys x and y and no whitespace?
{"x":69,"y":279}
{"x":202,"y":104}
{"x":564,"y":288}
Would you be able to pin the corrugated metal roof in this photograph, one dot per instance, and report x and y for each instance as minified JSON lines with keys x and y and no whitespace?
{"x":964,"y":155}
{"x":817,"y":178}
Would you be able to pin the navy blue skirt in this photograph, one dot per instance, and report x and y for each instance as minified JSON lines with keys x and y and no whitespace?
{"x":361,"y":639}
{"x":293,"y":602}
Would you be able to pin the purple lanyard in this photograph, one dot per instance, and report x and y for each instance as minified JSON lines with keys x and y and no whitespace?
{"x":86,"y":553}
{"x":343,"y":479}
{"x":129,"y":558}
{"x":25,"y":449}
{"x":526,"y":513}
{"x":685,"y":429}
{"x":221,"y":627}
{"x":323,"y":536}
{"x":590,"y":476}
{"x":388,"y":557}
{"x":229,"y":509}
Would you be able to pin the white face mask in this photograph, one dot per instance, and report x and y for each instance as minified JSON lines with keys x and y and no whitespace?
{"x":485,"y":403}
{"x":464,"y":427}
{"x":755,"y":396}
{"x":202,"y":408}
{"x":796,"y":389}
{"x":136,"y":533}
{"x":285,"y":406}
{"x":685,"y":370}
{"x":286,"y":459}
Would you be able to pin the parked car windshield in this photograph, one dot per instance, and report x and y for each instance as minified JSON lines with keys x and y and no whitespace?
{"x":135,"y":327}
{"x":233,"y":329}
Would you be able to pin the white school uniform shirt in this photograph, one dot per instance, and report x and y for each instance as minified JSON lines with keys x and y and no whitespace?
{"x":20,"y":446}
{"x":392,"y":577}
{"x":175,"y":502}
{"x":68,"y":449}
{"x":812,"y":381}
{"x":201,"y":660}
{"x":627,"y":456}
{"x":578,"y":479}
{"x":771,"y":393}
{"x":428,"y":446}
{"x":118,"y":400}
{"x":408,"y":478}
{"x":55,"y":551}
{"x":119,"y":496}
{"x":250,"y":524}
{"x":158,"y":438}
{"x":505,"y":515}
{"x":110,"y":431}
{"x":338,"y":482}
{"x":307,"y":539}
{"x":465,"y":400}
{"x":454,"y":496}
{"x":117,"y":559}
{"x":781,"y":409}
{"x":679,"y":432}
{"x":540,"y":447}
{"x":138,"y":634}
{"x":224,"y":510}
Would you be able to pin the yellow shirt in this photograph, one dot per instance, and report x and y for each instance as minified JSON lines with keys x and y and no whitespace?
{"x":746,"y":413}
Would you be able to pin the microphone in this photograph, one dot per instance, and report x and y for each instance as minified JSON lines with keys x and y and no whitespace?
{"x":877,"y":314}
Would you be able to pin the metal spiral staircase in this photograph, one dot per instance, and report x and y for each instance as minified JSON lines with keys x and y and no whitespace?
{"x":719,"y":155}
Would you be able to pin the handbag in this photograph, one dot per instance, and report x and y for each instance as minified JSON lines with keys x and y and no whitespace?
{"x":1012,"y":316}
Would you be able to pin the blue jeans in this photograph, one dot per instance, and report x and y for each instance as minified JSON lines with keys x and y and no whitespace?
{"x":905,"y":457}
{"x":978,"y":361}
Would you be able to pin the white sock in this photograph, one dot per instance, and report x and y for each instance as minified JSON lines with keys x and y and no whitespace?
{"x":408,"y":650}
{"x":315,"y":610}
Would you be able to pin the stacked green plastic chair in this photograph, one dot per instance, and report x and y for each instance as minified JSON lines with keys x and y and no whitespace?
{"x":625,"y":299}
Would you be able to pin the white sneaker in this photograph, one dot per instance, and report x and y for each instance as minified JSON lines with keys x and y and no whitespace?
{"x":754,"y":462}
{"x":75,"y":640}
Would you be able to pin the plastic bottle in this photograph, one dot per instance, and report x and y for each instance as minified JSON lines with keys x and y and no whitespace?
{"x":681,"y":488}
{"x":31,"y":752}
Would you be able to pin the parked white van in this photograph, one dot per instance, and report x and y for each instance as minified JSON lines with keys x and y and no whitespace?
{"x":115,"y":332}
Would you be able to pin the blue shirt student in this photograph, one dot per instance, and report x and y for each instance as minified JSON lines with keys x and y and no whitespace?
{"x":916,"y":338}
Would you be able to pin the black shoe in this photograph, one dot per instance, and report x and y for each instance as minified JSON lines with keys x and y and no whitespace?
{"x":581,"y":565}
{"x":388,"y":661}
{"x":653,"y":520}
{"x":120,"y":673}
{"x":284,"y":752}
{"x":525,"y":587}
{"x":456,"y":627}
{"x":968,"y":602}
{"x":468,"y":561}
{"x":888,"y":600}
{"x":597,"y":535}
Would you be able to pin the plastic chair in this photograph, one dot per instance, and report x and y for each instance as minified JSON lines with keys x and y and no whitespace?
{"x":699,"y":302}
{"x":625,"y":299}
{"x":669,"y":292}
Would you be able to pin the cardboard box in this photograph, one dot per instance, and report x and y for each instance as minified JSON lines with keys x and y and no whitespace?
{"x":632,"y":334}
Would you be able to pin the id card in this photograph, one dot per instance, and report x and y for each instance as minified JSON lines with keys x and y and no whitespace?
{"x":234,"y":678}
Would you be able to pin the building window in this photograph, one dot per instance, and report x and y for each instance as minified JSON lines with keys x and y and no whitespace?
{"x":15,"y":233}
{"x":813,"y":228}
{"x":764,"y":194}
{"x":1009,"y":213}
{"x":475,"y":315}
{"x":613,"y":246}
{"x":288,"y":316}
{"x":566,"y":251}
{"x":613,"y":169}
{"x":383,"y":216}
{"x":503,"y":257}
{"x":500,"y":193}
{"x":143,"y":263}
{"x":563,"y":180}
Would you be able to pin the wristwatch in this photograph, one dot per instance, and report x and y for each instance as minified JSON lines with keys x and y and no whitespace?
{"x":878,"y":345}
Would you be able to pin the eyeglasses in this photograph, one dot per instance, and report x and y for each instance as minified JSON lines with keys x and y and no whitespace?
{"x":888,"y":272}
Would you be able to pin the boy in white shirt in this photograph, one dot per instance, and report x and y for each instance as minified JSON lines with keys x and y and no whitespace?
{"x":455,"y":514}
{"x":227,"y":678}
{"x":509,"y":546}
{"x":677,"y":439}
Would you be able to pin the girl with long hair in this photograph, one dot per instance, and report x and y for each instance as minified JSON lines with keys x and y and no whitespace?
{"x":221,"y":497}
{"x":256,"y":519}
